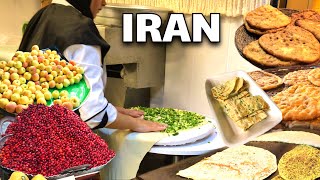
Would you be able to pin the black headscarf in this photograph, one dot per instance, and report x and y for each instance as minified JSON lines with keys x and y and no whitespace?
{"x":61,"y":26}
{"x":83,"y":6}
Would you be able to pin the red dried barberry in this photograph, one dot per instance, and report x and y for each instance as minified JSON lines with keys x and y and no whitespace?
{"x":47,"y":140}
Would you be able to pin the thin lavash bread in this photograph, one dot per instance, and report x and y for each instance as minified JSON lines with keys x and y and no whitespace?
{"x":241,"y":162}
{"x":267,"y":17}
{"x":292,"y":44}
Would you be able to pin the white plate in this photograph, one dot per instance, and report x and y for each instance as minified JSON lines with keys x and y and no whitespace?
{"x":189,"y":136}
{"x":231,"y":134}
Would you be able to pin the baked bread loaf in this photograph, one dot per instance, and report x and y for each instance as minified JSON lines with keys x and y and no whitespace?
{"x":255,"y":53}
{"x":297,"y":77}
{"x":293,"y":43}
{"x":267,"y":17}
{"x":310,"y":25}
{"x":265,"y":79}
{"x":299,"y":102}
{"x":305,"y":14}
{"x":314,"y":76}
{"x":260,"y":31}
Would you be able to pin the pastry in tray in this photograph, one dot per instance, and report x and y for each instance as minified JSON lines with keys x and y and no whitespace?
{"x":265,"y":79}
{"x":293,"y":43}
{"x":239,"y":105}
{"x":255,"y":53}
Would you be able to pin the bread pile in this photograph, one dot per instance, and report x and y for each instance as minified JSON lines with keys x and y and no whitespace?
{"x":299,"y":101}
{"x":265,"y":19}
{"x":284,"y":40}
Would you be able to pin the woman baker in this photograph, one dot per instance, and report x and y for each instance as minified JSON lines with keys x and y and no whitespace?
{"x":68,"y":25}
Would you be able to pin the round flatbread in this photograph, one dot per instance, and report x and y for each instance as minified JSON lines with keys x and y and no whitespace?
{"x":305,"y":14}
{"x":314,"y":76}
{"x":255,"y":53}
{"x":241,"y":162}
{"x":265,"y":80}
{"x":297,"y":77}
{"x":302,"y":162}
{"x":260,"y":31}
{"x":310,"y":25}
{"x":267,"y":17}
{"x":293,"y":43}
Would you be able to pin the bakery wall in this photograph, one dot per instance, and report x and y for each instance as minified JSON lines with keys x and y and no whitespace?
{"x":13,"y":14}
{"x":189,"y":65}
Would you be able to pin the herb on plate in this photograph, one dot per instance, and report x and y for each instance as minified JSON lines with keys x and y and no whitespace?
{"x":176,"y":120}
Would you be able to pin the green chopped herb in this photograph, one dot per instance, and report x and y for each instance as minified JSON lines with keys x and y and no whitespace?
{"x":176,"y":120}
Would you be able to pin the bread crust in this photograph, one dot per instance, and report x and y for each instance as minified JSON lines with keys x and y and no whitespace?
{"x":299,"y":102}
{"x":267,"y":17}
{"x":310,"y":25}
{"x":292,"y":44}
{"x":314,"y":76}
{"x":255,"y":53}
{"x":266,"y":80}
{"x":297,"y":77}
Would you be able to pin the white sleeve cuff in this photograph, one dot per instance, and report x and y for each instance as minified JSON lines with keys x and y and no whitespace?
{"x":96,"y":120}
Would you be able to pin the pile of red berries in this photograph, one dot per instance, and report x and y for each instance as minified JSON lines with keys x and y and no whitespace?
{"x":47,"y":140}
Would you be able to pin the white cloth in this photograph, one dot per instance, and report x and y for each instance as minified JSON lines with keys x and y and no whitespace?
{"x":89,"y":57}
{"x":232,"y":8}
{"x":130,"y":148}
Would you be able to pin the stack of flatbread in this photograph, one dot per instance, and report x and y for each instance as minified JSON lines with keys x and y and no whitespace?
{"x":309,"y":20}
{"x":285,"y":41}
{"x":265,"y":19}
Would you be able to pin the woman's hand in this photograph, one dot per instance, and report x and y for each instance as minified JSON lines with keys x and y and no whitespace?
{"x":148,"y":126}
{"x":130,"y":112}
{"x":124,"y":121}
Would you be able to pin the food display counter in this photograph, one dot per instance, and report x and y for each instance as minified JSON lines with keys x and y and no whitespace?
{"x":170,"y":172}
{"x":289,"y":77}
{"x":281,"y":96}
